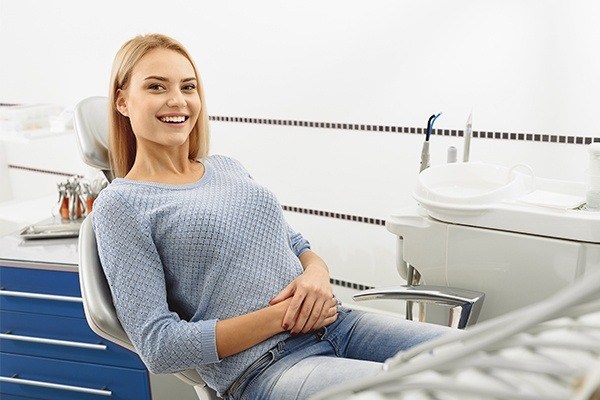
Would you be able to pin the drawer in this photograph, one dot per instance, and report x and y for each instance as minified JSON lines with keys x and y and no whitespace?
{"x":11,"y":397}
{"x":60,"y":337}
{"x":40,"y":291}
{"x":66,"y":380}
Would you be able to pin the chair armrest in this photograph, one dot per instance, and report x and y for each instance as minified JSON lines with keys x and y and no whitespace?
{"x":469,"y":301}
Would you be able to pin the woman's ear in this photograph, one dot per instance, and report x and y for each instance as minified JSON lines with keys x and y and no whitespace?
{"x":121,"y":103}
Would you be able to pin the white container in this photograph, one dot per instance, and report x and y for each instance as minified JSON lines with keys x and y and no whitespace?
{"x":593,"y":192}
{"x":18,"y":118}
{"x":593,"y":178}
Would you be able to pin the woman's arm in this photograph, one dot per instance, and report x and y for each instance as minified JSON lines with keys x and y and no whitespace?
{"x":240,"y":333}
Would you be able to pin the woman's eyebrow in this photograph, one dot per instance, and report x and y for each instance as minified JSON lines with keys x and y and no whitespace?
{"x":163,"y":79}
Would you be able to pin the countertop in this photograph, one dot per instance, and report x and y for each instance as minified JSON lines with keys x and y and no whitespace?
{"x":56,"y":254}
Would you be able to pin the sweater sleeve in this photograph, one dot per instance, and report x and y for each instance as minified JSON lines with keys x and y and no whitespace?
{"x":297,"y":242}
{"x":136,"y":278}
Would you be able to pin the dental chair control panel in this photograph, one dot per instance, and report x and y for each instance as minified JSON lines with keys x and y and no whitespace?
{"x":500,"y":231}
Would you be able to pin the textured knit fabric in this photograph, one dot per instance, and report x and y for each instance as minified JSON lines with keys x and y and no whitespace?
{"x":180,"y":257}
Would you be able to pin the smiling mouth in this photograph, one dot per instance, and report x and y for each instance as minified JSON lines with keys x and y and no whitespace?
{"x":174,"y":120}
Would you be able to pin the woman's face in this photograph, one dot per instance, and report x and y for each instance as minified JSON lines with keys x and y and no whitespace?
{"x":162,"y":99}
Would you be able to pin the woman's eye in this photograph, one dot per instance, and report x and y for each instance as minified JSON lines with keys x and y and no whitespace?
{"x":156,"y":86}
{"x":189,"y":87}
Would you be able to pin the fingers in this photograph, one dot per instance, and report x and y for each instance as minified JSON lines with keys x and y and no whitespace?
{"x":304,"y":313}
{"x":320,"y":316}
{"x":315,"y":315}
{"x":329,"y":311}
{"x":292,"y":313}
{"x":287,"y":292}
{"x":329,"y":320}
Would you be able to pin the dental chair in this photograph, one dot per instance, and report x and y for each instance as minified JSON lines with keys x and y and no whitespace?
{"x":91,"y":126}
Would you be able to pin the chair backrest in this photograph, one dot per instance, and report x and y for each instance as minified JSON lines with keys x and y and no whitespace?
{"x":91,"y":127}
{"x":97,"y":301}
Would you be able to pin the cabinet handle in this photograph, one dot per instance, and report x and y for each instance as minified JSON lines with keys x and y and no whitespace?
{"x":41,"y":296}
{"x":58,"y":386}
{"x":33,"y":339}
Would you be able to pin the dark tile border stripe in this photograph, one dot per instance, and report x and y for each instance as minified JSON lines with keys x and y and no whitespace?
{"x":43,"y":171}
{"x":329,"y":214}
{"x":530,"y":137}
{"x":349,"y":285}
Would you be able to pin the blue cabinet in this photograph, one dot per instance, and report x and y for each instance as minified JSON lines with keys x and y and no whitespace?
{"x":47,"y":350}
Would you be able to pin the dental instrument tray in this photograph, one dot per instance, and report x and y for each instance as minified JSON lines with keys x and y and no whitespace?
{"x":55,"y":230}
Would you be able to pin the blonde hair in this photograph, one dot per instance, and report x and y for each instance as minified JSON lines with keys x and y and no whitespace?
{"x":121,"y":140}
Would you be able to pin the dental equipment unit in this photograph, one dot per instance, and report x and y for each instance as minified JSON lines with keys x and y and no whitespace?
{"x":532,"y":245}
{"x":501,"y":231}
{"x":498,"y":231}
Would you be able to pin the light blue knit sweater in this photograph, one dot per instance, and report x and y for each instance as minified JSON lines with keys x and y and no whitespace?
{"x":180,"y":257}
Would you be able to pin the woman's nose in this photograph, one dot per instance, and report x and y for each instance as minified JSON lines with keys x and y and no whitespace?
{"x":178,"y":100}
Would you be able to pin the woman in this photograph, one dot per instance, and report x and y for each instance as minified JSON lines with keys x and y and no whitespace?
{"x":204,"y":271}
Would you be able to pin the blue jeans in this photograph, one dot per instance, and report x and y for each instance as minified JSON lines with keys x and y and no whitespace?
{"x":354,"y":346}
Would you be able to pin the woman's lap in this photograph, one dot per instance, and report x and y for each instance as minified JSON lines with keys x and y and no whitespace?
{"x":377,"y":337}
{"x":354,"y":346}
{"x":313,"y":374}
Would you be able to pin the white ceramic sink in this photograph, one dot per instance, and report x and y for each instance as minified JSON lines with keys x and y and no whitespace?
{"x":470,"y":186}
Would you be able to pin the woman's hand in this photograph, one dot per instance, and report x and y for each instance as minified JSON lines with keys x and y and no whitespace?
{"x":313,"y":305}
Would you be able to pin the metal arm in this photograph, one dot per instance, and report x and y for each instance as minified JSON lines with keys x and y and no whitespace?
{"x":468,"y":302}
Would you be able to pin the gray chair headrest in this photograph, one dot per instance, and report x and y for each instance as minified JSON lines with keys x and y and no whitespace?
{"x":91,"y":127}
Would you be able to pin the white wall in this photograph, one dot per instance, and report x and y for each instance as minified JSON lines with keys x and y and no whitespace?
{"x":521,"y":66}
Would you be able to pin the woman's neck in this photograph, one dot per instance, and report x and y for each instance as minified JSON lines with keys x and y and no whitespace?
{"x":165,"y":167}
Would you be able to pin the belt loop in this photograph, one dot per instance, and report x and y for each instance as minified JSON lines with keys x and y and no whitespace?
{"x":321,"y":333}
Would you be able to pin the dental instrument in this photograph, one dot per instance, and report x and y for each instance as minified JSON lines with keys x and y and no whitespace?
{"x":425,"y":151}
{"x":468,"y":135}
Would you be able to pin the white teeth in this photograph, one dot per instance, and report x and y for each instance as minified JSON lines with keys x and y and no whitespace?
{"x":173,"y":119}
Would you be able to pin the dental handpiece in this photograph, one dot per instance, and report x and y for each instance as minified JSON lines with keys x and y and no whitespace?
{"x":425,"y":150}
{"x":424,"y":156}
{"x":468,"y":134}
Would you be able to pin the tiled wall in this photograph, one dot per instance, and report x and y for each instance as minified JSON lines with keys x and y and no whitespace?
{"x":325,"y":102}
